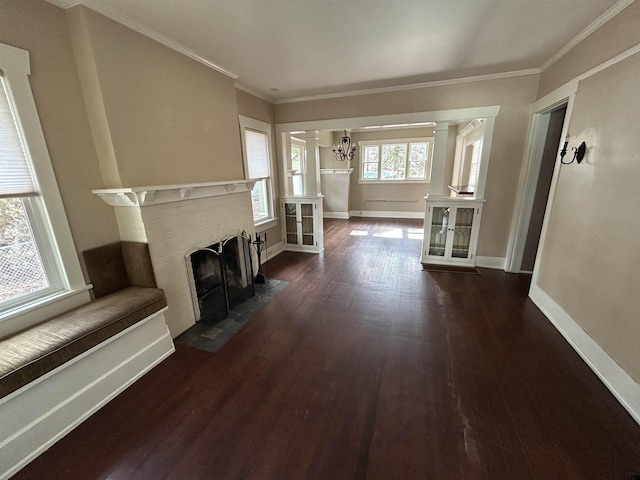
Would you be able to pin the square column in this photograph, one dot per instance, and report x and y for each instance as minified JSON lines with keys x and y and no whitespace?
{"x":312,"y":167}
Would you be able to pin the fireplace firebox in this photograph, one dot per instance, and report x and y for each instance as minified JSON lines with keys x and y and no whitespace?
{"x":222,"y":276}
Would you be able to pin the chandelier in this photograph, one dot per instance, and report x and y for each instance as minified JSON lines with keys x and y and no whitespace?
{"x":344,"y":150}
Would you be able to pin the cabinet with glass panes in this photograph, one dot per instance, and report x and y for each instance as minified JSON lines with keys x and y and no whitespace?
{"x":301,"y":223}
{"x":451,"y":231}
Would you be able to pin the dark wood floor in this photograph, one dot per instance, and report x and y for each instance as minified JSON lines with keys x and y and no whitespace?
{"x":366,"y":367}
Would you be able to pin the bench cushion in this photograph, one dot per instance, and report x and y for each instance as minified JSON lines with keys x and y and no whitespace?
{"x":30,"y":354}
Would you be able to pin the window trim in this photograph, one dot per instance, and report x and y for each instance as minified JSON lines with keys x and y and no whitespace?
{"x":395,"y":141}
{"x":266,"y":128}
{"x":52,"y":224}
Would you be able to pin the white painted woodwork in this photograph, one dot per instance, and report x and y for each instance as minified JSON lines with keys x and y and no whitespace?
{"x":311,"y":177}
{"x":438,"y":182}
{"x":154,"y":195}
{"x":295,"y":236}
{"x":448,"y":256}
{"x":52,"y":231}
{"x":614,"y":377}
{"x":45,"y":410}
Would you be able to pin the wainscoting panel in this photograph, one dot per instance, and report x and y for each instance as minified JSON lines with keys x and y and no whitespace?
{"x":44,"y":411}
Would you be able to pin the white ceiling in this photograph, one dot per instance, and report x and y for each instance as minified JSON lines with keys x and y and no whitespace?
{"x":312,"y":47}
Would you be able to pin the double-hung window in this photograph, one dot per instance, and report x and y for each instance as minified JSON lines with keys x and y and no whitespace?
{"x":38,"y":262}
{"x":257,"y":152}
{"x":401,"y":160}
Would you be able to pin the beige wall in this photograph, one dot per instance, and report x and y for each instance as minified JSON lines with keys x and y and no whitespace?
{"x":171,"y":120}
{"x":514,"y":95}
{"x":589,"y":262}
{"x":614,"y":37}
{"x":41,"y":29}
{"x":258,"y":109}
{"x":254,"y":107}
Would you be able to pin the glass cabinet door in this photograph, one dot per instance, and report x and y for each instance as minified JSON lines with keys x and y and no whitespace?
{"x":291,"y":222}
{"x":306,"y":211}
{"x":439,"y":231}
{"x":462,"y":232}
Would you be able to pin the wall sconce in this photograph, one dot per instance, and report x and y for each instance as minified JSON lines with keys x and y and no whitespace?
{"x":578,"y":153}
{"x":344,"y":150}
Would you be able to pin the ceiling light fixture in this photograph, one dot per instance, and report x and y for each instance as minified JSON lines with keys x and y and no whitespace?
{"x":344,"y":150}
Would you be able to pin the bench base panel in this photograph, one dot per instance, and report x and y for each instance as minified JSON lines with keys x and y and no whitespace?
{"x":39,"y":414}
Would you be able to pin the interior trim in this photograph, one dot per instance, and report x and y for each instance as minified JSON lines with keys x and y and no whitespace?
{"x":595,"y":25}
{"x":497,"y":263}
{"x":142,"y":29}
{"x":384,"y":214}
{"x":412,"y":86}
{"x":614,"y":377}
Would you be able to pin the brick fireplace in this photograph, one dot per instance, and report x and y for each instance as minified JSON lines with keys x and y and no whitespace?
{"x":175,"y":220}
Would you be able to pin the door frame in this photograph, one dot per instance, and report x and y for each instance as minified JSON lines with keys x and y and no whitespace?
{"x":538,"y":128}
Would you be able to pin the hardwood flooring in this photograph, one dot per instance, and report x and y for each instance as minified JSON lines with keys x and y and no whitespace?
{"x":365,"y":366}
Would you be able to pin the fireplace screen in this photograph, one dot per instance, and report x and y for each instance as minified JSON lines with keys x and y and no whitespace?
{"x":238,"y":269}
{"x":222,"y":278}
{"x":210,"y":288}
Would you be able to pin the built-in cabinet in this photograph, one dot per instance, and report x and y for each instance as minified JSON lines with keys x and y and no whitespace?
{"x":451,"y":230}
{"x":302,"y":228}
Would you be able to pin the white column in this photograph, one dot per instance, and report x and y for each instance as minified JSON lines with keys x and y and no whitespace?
{"x":312,"y":173}
{"x":438,"y":182}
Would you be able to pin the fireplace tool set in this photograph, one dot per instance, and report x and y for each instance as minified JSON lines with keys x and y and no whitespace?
{"x":259,"y":243}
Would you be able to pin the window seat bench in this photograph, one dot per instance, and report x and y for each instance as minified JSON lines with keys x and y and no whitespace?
{"x":44,"y":347}
{"x":56,"y":374}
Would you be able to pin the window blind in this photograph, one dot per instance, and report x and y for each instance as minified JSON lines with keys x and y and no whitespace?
{"x":257,"y":154}
{"x":16,"y":176}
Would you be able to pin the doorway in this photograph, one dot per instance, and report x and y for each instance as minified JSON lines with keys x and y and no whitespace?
{"x":547,"y":130}
{"x":549,"y":155}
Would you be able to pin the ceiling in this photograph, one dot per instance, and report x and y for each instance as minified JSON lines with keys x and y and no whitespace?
{"x":315,"y":47}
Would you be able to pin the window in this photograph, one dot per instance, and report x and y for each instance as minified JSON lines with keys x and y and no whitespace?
{"x":475,"y":163}
{"x":405,"y":160}
{"x":256,"y":147}
{"x":38,"y":262}
{"x":22,"y":271}
{"x":297,"y":165}
{"x":466,"y":165}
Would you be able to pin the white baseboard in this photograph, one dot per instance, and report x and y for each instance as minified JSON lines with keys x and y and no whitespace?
{"x":384,"y":214}
{"x":615,"y":378}
{"x":339,"y":215}
{"x":490,"y":262}
{"x":45,"y":410}
{"x":272,"y":251}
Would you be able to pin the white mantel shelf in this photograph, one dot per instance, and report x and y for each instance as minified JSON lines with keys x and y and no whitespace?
{"x":154,"y":195}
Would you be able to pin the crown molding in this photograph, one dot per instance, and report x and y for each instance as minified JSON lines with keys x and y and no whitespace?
{"x":129,"y":22}
{"x":595,"y":25}
{"x":142,"y":29}
{"x":255,"y":93}
{"x":413,"y":86}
